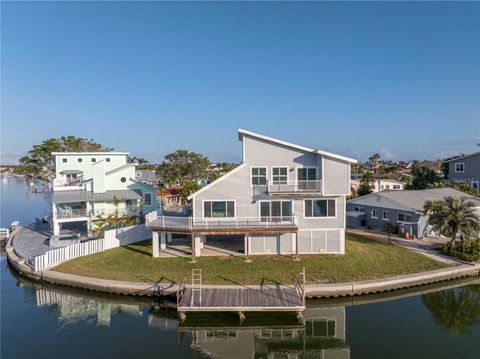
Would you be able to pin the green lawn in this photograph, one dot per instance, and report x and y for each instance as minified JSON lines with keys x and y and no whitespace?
{"x":364,"y":259}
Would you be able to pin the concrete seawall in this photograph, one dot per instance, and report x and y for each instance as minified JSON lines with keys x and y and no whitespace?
{"x":311,"y":290}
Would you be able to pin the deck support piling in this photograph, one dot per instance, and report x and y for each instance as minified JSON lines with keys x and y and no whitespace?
{"x":301,"y":318}
{"x":247,"y":248}
{"x":296,"y":246}
{"x":241,"y":315}
{"x":182,"y":316}
{"x":155,"y":244}
{"x":194,"y":259}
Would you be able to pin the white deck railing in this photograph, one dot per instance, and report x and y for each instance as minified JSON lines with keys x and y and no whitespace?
{"x":158,"y":221}
{"x":298,"y":186}
{"x":112,"y":239}
{"x":63,"y":213}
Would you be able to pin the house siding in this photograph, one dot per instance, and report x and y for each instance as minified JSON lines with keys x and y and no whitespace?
{"x":471,"y":173}
{"x":316,"y":235}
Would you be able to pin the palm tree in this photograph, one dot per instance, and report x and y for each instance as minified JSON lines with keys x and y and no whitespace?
{"x":452,"y":216}
{"x":366,"y":184}
{"x":456,"y":311}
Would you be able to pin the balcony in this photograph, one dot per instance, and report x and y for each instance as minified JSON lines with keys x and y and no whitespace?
{"x":221,"y":225}
{"x":306,"y":186}
{"x":81,"y":213}
{"x":67,"y":185}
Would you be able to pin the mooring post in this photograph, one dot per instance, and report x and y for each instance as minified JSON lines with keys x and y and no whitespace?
{"x":241,"y":316}
{"x":300,"y":317}
{"x":183,"y":316}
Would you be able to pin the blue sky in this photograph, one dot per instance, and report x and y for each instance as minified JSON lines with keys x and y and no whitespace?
{"x":402,"y":79}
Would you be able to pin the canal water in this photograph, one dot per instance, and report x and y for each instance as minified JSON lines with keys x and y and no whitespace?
{"x":43,"y":321}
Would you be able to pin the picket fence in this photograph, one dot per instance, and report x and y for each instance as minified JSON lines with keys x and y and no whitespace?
{"x":113,"y":238}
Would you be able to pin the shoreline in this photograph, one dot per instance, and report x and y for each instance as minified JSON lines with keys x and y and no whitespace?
{"x":151,"y":289}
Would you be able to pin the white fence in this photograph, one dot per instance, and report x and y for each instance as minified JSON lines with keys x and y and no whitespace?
{"x":112,"y":239}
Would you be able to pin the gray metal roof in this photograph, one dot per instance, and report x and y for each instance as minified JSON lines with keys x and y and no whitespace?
{"x":411,"y":199}
{"x":146,"y":175}
{"x":462,"y":157}
{"x":87,"y":196}
{"x":71,"y":172}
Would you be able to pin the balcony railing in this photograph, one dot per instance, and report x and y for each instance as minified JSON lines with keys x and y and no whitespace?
{"x":189,"y":223}
{"x":298,"y":186}
{"x":61,"y":184}
{"x":63,"y":213}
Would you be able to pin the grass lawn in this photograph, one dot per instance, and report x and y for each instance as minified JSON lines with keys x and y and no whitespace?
{"x":364,"y":259}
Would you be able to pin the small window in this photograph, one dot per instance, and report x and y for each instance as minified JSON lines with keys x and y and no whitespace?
{"x":319,"y":208}
{"x":259,"y":176}
{"x":147,"y":199}
{"x":94,"y":159}
{"x":280,"y":175}
{"x":402,"y":217}
{"x":64,"y":160}
{"x":459,"y":167}
{"x":79,"y":160}
{"x":396,"y":186}
{"x":107,"y":159}
{"x":356,"y":209}
{"x":387,"y":186}
{"x":386,"y":215}
{"x":218,"y":209}
{"x":123,"y":180}
{"x":374,"y":213}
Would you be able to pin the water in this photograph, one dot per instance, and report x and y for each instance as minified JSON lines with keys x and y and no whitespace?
{"x":39,"y":321}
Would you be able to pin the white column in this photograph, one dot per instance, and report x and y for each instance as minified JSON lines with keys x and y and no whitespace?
{"x":198,"y":241}
{"x":56,"y":227}
{"x":294,"y":242}
{"x":169,"y":237}
{"x":155,"y":244}
{"x":342,"y":241}
{"x":203,"y":239}
{"x":163,"y":240}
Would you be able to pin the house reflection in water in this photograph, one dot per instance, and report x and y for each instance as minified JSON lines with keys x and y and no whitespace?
{"x":73,"y":309}
{"x":322,"y":336}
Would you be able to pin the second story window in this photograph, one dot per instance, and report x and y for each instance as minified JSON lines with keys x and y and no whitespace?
{"x":459,"y":167}
{"x":279,"y":175}
{"x":64,"y":160}
{"x":259,"y":176}
{"x":218,"y":209}
{"x":319,"y":208}
{"x":94,"y":159}
{"x":107,"y":159}
{"x":402,"y":217}
{"x":79,"y":160}
{"x":374,"y":213}
{"x":147,"y":199}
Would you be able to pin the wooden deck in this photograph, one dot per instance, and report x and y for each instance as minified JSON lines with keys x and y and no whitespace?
{"x":247,"y":299}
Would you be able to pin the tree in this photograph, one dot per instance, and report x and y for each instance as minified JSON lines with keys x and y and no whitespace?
{"x":183,"y":166}
{"x":452,"y":216}
{"x":188,"y":187}
{"x":366,"y":184}
{"x":39,"y":160}
{"x":423,"y":177}
{"x":457,"y":311}
{"x":373,"y":160}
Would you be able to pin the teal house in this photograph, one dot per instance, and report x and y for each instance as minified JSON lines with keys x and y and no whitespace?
{"x":89,"y":186}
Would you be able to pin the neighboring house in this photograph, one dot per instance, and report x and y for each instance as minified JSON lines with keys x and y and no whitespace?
{"x":382,"y":184}
{"x":147,"y":176}
{"x":402,"y":208}
{"x":465,"y":169}
{"x":87,"y":184}
{"x":284,"y":198}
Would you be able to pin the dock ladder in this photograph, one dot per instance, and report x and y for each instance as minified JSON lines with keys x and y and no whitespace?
{"x":196,"y":286}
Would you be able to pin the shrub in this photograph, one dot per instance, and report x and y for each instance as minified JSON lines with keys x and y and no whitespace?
{"x":471,"y":253}
{"x":391,"y":228}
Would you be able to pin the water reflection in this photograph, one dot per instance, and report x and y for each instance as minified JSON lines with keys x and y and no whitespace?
{"x":74,"y":309}
{"x":323,"y":335}
{"x":456,"y":311}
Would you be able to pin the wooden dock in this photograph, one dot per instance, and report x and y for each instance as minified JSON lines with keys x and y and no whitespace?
{"x":279,"y":298}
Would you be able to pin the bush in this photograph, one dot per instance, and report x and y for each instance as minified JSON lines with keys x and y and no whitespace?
{"x":455,"y":249}
{"x":391,"y":228}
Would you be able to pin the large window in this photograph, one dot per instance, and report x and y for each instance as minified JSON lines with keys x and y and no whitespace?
{"x":147,"y":199}
{"x":307,"y":174}
{"x":459,"y":167}
{"x":276,"y":211}
{"x":218,"y":209}
{"x":386,"y":215}
{"x":259,"y":176}
{"x":374,"y":213}
{"x":320,"y":208}
{"x":280,"y":175}
{"x":402,"y":217}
